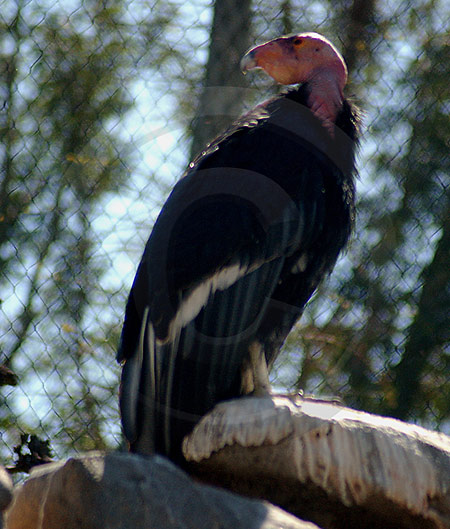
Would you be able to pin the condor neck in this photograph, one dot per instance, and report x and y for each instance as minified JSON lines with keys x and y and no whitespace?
{"x":326,"y":96}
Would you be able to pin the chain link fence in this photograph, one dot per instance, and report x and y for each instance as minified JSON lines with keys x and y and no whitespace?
{"x":97,"y":123}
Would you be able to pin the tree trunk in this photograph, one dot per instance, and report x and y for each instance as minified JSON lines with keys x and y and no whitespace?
{"x":429,"y":329}
{"x":220,"y":101}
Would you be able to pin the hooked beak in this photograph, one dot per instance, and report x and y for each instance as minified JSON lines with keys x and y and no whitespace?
{"x":248,"y":62}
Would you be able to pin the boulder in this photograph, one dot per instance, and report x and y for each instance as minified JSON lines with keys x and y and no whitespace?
{"x":122,"y":491}
{"x":326,"y":463}
{"x":6,"y":488}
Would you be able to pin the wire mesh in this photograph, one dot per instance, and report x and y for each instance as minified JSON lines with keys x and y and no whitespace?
{"x":97,"y":120}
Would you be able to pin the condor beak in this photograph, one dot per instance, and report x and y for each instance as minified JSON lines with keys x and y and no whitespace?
{"x":248,"y":62}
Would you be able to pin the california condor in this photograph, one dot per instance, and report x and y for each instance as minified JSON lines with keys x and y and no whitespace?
{"x":244,"y":239}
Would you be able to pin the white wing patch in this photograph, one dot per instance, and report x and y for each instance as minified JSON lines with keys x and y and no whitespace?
{"x":191,"y":306}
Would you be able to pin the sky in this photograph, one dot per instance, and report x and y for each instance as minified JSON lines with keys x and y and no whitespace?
{"x":123,"y":221}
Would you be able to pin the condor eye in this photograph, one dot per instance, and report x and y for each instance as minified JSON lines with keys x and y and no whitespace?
{"x":297,"y":41}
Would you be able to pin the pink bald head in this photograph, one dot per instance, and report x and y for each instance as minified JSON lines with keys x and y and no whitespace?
{"x":304,"y":58}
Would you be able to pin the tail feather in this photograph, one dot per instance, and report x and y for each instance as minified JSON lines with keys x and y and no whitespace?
{"x":168,"y":387}
{"x":130,"y":386}
{"x":137,"y":392}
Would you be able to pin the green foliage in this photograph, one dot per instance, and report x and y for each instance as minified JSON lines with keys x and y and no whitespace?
{"x":98,"y":101}
{"x":65,"y":90}
{"x":383,"y":344}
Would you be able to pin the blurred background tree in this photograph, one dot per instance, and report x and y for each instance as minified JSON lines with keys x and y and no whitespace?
{"x":385,"y":347}
{"x":104,"y":103}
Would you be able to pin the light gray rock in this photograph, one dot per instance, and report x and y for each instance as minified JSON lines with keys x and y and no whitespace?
{"x":6,"y":488}
{"x":124,"y":491}
{"x":326,"y":463}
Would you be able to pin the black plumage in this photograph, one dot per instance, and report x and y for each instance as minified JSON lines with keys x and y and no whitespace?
{"x":244,"y":239}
